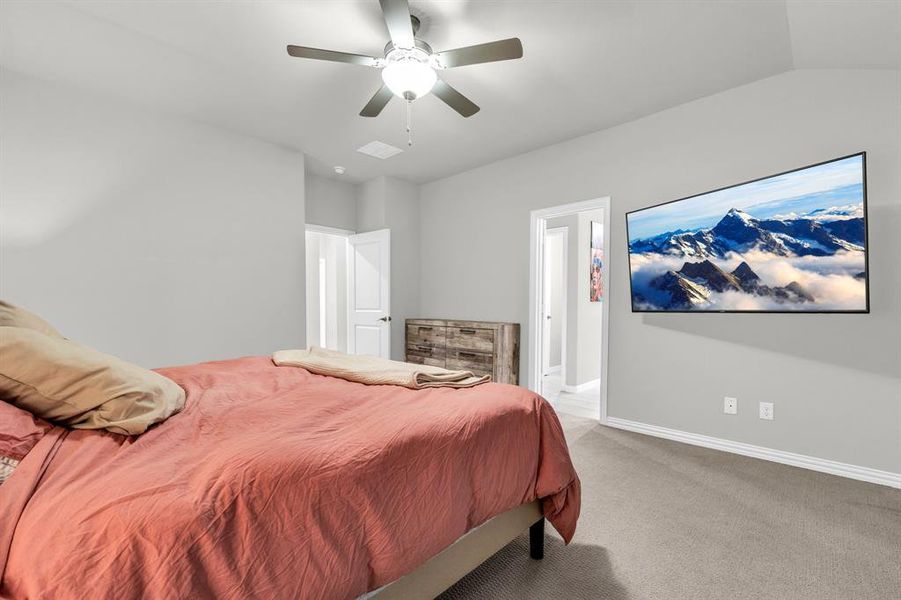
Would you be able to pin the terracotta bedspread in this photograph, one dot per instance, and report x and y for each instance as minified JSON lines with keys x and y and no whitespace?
{"x":277,"y":483}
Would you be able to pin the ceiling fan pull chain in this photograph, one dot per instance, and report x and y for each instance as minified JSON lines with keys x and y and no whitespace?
{"x":409,"y":122}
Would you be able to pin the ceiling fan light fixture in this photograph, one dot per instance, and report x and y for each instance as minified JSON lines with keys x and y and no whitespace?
{"x":409,"y":65}
{"x":408,"y":73}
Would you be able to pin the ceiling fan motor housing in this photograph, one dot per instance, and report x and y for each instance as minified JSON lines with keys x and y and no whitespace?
{"x":419,"y":45}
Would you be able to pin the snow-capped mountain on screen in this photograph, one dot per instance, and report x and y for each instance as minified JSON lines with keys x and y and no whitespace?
{"x":739,"y":232}
{"x":791,"y":242}
{"x":695,"y":283}
{"x":704,"y":281}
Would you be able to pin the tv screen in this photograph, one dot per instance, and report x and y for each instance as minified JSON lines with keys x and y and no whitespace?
{"x":793,"y":242}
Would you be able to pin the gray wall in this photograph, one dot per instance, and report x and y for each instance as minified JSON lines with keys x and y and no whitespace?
{"x":330,"y":202}
{"x":835,"y":379}
{"x":160,"y":240}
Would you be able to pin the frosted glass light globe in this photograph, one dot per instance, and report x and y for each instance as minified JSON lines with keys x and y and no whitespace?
{"x":409,"y":78}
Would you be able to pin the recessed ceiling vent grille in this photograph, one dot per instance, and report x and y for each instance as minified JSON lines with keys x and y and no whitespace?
{"x":379,"y":150}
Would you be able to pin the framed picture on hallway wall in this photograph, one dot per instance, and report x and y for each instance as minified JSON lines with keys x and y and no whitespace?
{"x":596,"y":263}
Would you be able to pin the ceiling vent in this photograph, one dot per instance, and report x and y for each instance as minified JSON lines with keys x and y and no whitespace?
{"x":379,"y":150}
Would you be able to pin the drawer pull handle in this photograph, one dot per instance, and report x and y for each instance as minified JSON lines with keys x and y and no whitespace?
{"x":467,"y":354}
{"x":469,"y":331}
{"x":425,"y":329}
{"x":427,"y":349}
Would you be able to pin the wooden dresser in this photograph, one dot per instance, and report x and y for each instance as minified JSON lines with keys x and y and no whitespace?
{"x":483,"y":347}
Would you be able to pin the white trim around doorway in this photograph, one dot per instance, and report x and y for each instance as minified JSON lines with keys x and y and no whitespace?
{"x":329,"y":230}
{"x":538,"y":227}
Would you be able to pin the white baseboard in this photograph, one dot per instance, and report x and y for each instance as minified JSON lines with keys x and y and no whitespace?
{"x":780,"y":456}
{"x":582,"y":387}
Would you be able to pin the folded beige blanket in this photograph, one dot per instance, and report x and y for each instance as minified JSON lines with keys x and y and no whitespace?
{"x":373,"y":370}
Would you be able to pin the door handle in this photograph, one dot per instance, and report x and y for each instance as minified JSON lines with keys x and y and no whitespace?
{"x":385,"y":319}
{"x":548,"y":317}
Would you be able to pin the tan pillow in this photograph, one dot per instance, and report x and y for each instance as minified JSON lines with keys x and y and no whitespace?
{"x":62,"y":381}
{"x":13,"y":316}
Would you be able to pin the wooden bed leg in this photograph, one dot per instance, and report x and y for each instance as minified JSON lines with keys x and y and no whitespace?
{"x":536,"y":540}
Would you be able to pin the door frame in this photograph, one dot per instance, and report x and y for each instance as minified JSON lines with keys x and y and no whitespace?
{"x":329,"y":230}
{"x":538,"y":228}
{"x":563,"y":232}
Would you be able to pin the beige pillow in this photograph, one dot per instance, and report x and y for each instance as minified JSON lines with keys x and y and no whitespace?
{"x":62,"y":381}
{"x":13,"y":316}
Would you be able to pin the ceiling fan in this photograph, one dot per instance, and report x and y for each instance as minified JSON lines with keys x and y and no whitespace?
{"x":409,"y":65}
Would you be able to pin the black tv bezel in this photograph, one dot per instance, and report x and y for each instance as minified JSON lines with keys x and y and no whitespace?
{"x":866,"y":257}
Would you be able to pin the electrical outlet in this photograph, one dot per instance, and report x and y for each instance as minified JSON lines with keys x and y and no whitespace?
{"x":766,"y":411}
{"x":730,"y":405}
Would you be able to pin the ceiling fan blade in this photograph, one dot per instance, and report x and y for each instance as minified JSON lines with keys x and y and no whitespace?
{"x":332,"y":55}
{"x":377,"y":103}
{"x":454,"y":99}
{"x":481,"y":53}
{"x":397,"y":17}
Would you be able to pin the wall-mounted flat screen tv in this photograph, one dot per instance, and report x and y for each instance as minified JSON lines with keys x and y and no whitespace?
{"x":793,"y":242}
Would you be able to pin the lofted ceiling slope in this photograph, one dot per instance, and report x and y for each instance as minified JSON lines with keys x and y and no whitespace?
{"x":586,"y":65}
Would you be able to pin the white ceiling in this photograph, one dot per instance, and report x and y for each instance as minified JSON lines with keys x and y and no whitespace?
{"x":586,"y":66}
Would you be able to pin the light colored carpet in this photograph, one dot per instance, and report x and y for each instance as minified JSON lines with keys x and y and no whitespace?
{"x":663,"y":520}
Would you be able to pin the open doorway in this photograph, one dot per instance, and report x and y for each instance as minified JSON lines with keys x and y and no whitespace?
{"x":568,"y":307}
{"x":554,"y":314}
{"x":327,"y":252}
{"x":349,"y":290}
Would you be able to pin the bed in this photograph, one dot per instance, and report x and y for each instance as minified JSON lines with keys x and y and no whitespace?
{"x":274,"y":482}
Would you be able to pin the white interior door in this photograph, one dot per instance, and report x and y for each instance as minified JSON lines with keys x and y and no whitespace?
{"x":546,"y":308}
{"x":554,"y":300}
{"x":369,"y":294}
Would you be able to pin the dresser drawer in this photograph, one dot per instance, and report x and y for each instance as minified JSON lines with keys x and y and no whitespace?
{"x":470,"y":338}
{"x":425,"y":360}
{"x":426,"y":335}
{"x":425,"y":351}
{"x":479,"y":363}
